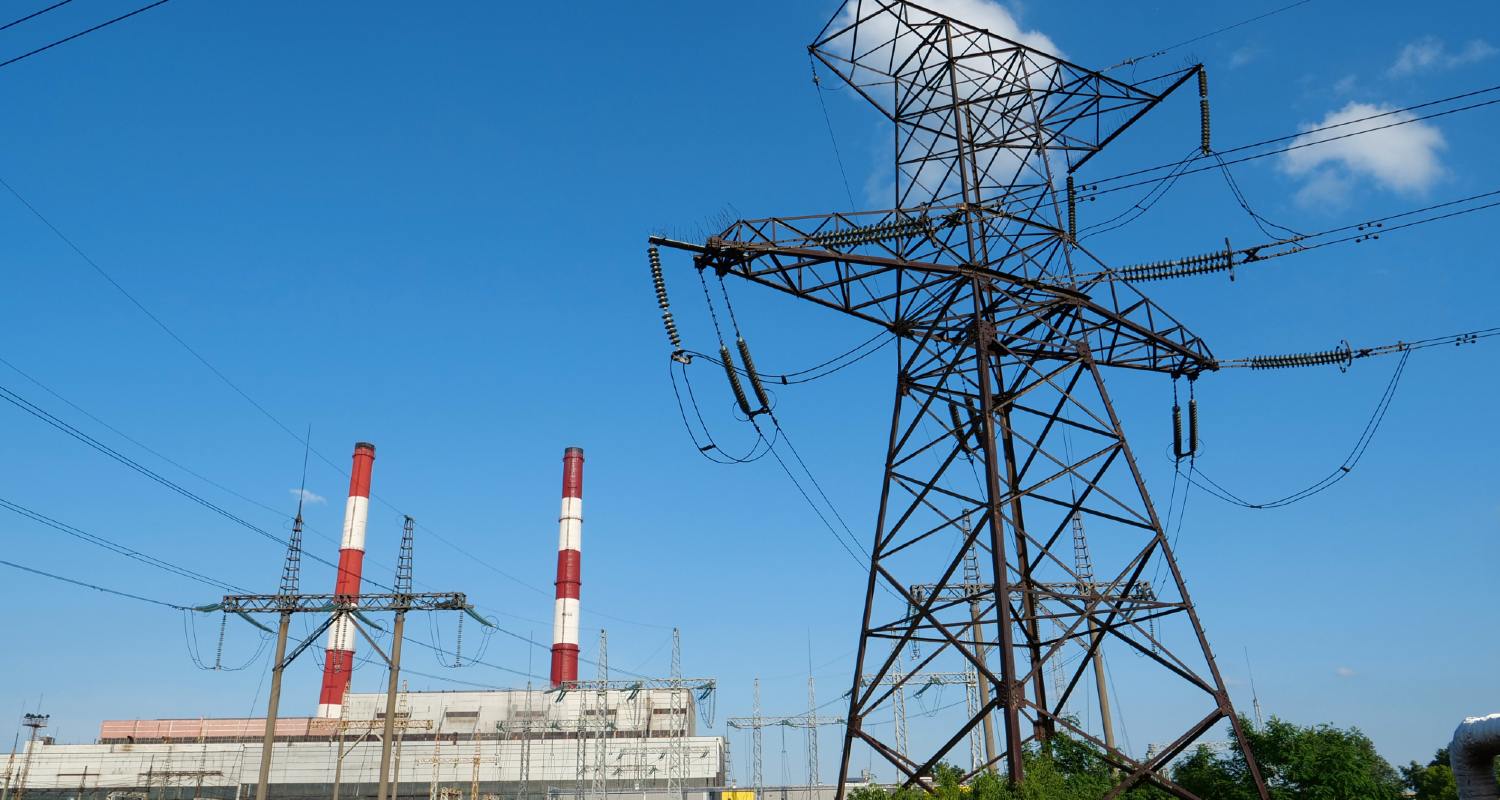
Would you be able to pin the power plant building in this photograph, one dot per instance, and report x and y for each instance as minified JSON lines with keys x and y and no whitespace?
{"x":507,"y":743}
{"x":503,"y":744}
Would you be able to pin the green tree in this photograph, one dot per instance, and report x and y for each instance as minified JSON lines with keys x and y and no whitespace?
{"x":1433,"y":781}
{"x":1320,"y":762}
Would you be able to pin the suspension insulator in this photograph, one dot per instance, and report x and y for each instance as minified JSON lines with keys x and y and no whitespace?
{"x":760,"y":390}
{"x":1177,"y":432}
{"x":660,"y":283}
{"x":458,"y":644}
{"x":1203,"y":109}
{"x":1192,"y":426}
{"x":1340,"y":356}
{"x":734,"y":380}
{"x":870,"y":234}
{"x":1072,"y":211}
{"x":960,"y":429}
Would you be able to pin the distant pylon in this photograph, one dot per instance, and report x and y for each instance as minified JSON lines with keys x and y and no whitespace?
{"x":676,"y":759}
{"x":601,"y":721}
{"x":757,"y":774}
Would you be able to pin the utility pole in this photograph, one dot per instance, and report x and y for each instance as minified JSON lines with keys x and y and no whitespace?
{"x":474,"y":777}
{"x":982,"y":683}
{"x":601,"y":721}
{"x":396,"y":768}
{"x":757,"y":774}
{"x":813,"y":778}
{"x":809,"y":721}
{"x":10,"y":762}
{"x":1002,"y":346}
{"x":900,"y":682}
{"x":677,"y":758}
{"x":678,"y":689}
{"x":1254,"y":695}
{"x":346,"y":609}
{"x":338,"y":753}
{"x":35,"y":722}
{"x":403,"y":589}
{"x":526,"y":748}
{"x":1083,"y":565}
{"x":291,"y":572}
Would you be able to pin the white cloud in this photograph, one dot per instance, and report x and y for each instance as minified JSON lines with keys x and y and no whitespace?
{"x":1243,"y":56}
{"x":1430,"y":53}
{"x":307,"y":496}
{"x":1344,"y":672}
{"x":1402,"y":159}
{"x":988,"y":15}
{"x":996,"y":19}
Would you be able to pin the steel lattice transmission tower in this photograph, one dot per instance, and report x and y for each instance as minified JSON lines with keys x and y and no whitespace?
{"x":1002,"y":351}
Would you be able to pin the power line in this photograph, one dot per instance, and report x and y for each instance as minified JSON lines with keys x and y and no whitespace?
{"x":138,"y":443}
{"x":266,"y":413}
{"x":84,"y":32}
{"x":95,"y":587}
{"x":14,"y":23}
{"x":837,"y":156}
{"x":1365,"y":230}
{"x":1137,"y":59}
{"x":79,"y":533}
{"x":1301,"y":134}
{"x":15,"y":399}
{"x":1197,"y":477}
{"x":116,"y":547}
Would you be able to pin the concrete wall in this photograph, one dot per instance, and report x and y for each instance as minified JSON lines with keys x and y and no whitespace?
{"x":188,"y":770}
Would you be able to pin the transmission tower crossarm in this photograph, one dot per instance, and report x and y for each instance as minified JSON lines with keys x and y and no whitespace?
{"x":1123,"y":326}
{"x":323,"y":603}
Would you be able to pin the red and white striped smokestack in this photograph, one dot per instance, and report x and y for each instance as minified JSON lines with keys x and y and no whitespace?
{"x":338,"y":667}
{"x":569,"y":570}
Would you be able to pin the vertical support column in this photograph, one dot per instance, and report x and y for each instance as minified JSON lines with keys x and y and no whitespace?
{"x":389,"y":731}
{"x":1008,"y":691}
{"x":569,"y":571}
{"x":1043,"y":727}
{"x":272,"y":706}
{"x":339,"y":663}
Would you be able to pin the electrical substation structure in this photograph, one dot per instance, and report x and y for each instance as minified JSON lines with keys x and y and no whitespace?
{"x":579,"y":738}
{"x":346,"y":609}
{"x":1005,"y":329}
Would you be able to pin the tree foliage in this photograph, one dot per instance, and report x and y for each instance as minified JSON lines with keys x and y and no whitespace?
{"x":1434,"y":781}
{"x":1320,"y":762}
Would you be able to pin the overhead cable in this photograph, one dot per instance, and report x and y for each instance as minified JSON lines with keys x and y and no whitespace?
{"x":116,"y":547}
{"x":1169,"y":48}
{"x":1198,"y":478}
{"x":224,"y":378}
{"x":81,"y":33}
{"x":13,"y":23}
{"x":1305,"y":133}
{"x":95,"y":587}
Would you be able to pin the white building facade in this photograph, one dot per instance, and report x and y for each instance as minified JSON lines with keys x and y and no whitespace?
{"x":448,"y":745}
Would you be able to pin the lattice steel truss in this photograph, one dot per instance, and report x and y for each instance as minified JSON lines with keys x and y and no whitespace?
{"x":1001,"y":413}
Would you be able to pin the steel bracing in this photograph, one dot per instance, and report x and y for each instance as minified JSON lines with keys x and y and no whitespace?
{"x":1006,"y":329}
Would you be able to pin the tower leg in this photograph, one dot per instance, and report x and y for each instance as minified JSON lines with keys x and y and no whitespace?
{"x":1047,"y":447}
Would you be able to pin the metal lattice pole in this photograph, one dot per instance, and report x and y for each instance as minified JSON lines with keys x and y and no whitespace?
{"x":812,"y":733}
{"x":1002,"y":348}
{"x":758,"y":780}
{"x":601,"y":721}
{"x":524,"y":778}
{"x":677,"y":757}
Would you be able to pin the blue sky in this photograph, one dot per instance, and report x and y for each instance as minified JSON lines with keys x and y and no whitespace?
{"x":424,"y":227}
